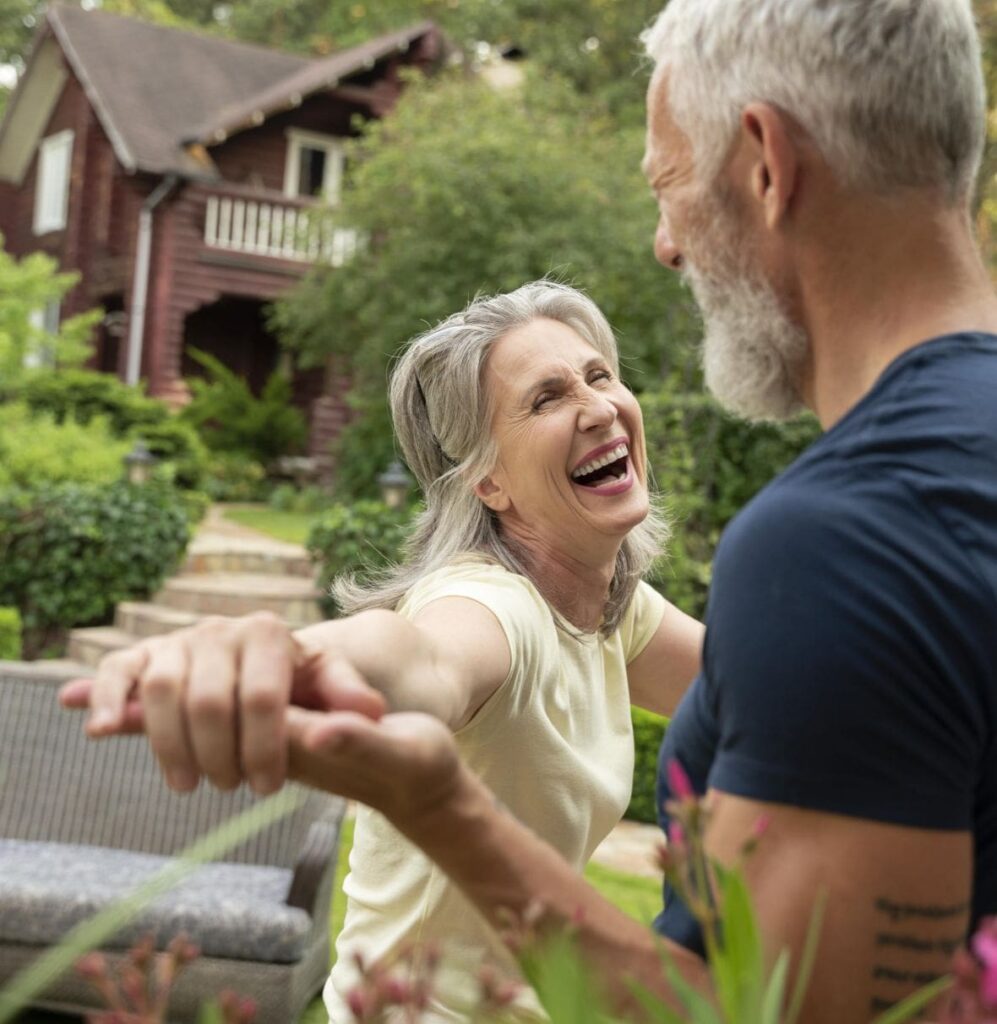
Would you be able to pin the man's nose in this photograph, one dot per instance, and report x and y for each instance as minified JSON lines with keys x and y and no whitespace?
{"x":665,"y":250}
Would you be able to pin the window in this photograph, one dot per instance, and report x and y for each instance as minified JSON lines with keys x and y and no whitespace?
{"x":47,"y":320}
{"x":314,"y":165}
{"x":52,"y":182}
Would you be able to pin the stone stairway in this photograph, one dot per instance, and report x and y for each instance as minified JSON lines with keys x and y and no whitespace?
{"x":230,"y":570}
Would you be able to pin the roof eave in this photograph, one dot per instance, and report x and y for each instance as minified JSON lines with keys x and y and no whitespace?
{"x":218,"y":132}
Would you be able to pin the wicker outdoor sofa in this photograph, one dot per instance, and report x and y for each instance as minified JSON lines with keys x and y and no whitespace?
{"x":82,"y":822}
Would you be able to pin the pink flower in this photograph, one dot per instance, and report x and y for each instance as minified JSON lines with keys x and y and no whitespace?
{"x":985,"y":947}
{"x":678,"y":782}
{"x":676,"y":837}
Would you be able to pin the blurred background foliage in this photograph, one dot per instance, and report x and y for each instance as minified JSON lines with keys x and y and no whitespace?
{"x":475,"y":183}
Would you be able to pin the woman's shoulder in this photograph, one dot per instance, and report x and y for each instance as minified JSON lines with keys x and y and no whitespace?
{"x":477,"y":577}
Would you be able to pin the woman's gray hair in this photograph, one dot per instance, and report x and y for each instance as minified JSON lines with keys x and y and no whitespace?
{"x":442,"y":415}
{"x":890,"y":91}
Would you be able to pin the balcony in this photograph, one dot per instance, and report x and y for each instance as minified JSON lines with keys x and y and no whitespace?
{"x":278,"y":227}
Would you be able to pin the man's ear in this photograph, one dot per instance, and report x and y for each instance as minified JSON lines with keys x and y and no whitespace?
{"x":774,"y":158}
{"x":492,"y":494}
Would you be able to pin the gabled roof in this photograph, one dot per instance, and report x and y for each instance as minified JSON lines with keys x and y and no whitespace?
{"x":315,"y":76}
{"x":156,"y":89}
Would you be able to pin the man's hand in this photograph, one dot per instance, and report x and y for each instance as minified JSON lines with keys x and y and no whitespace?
{"x":404,"y":765}
{"x":213,"y":698}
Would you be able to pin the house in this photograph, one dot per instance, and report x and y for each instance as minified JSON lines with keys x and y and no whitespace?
{"x":176,"y":171}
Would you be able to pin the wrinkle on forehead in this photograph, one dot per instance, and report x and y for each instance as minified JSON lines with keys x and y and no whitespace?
{"x":668,"y":154}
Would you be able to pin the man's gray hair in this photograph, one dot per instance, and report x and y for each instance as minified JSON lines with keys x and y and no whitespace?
{"x":442,"y":415}
{"x":890,"y":91}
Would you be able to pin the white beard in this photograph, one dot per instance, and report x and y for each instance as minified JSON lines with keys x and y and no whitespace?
{"x":754,"y":355}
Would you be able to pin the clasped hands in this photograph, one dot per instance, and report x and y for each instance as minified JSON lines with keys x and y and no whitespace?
{"x":246,"y":700}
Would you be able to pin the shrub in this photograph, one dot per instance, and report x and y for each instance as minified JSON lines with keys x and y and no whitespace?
{"x":361,"y":537}
{"x":231,"y":419}
{"x":38,"y":450}
{"x":81,"y":395}
{"x":235,"y":477}
{"x":183,"y":458}
{"x":709,"y":465}
{"x":301,"y":500}
{"x":649,"y":731}
{"x":69,"y":553}
{"x":10,"y":634}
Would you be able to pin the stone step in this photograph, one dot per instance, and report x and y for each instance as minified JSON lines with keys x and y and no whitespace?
{"x":291,"y":597}
{"x":88,"y":645}
{"x":142,"y":618}
{"x":248,"y":557}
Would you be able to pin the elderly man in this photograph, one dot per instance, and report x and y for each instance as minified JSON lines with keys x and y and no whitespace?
{"x":813,"y":163}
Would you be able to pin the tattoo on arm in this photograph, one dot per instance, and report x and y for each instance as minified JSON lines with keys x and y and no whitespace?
{"x":909,"y":931}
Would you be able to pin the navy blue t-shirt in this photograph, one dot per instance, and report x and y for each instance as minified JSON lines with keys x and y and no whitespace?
{"x":850,"y":662}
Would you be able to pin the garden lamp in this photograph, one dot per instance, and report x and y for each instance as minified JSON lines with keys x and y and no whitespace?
{"x":138,"y":464}
{"x":394,"y":483}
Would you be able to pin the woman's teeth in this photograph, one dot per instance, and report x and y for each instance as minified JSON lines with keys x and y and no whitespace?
{"x":621,"y":451}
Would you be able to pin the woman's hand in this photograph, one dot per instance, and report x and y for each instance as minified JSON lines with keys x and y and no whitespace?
{"x":213,"y":698}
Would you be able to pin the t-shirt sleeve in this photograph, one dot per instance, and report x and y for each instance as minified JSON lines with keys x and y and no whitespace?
{"x":515,"y":603}
{"x":641,"y":620}
{"x":837,"y":660}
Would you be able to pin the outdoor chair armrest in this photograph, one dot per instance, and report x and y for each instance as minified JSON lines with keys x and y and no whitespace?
{"x":315,"y":860}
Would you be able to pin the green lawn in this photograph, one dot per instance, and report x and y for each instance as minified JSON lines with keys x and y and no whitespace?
{"x":634,"y":895}
{"x":292,"y":527}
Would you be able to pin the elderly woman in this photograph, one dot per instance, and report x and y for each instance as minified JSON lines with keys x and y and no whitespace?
{"x":520,"y":619}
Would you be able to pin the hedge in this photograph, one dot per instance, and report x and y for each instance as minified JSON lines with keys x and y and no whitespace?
{"x":649,"y":731}
{"x":10,"y":634}
{"x":69,"y":553}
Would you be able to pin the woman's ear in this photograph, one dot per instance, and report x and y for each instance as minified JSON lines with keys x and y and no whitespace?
{"x":492,"y":495}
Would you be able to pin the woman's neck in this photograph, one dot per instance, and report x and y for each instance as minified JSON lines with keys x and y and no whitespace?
{"x":578,"y":589}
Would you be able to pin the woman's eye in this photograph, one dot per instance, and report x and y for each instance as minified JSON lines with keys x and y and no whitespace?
{"x":541,"y":400}
{"x":600,"y":375}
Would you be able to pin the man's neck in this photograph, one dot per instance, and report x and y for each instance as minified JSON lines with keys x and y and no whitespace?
{"x":890,"y":278}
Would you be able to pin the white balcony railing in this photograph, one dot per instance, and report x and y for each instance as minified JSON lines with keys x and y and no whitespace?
{"x":275,"y":229}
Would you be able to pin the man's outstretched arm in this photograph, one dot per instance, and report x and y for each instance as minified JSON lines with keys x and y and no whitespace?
{"x":897,"y":898}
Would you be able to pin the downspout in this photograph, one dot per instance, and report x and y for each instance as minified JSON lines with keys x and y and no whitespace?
{"x":140,"y":285}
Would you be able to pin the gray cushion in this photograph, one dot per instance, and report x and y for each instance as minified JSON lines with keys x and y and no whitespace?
{"x":228,"y":910}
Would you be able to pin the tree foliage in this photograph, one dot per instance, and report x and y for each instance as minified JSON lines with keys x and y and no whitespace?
{"x":467,"y":190}
{"x":27,"y":286}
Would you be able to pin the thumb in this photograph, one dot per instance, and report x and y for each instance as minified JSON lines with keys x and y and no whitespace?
{"x":334,"y":684}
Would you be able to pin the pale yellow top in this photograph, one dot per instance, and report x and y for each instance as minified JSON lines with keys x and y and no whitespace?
{"x":554,"y":743}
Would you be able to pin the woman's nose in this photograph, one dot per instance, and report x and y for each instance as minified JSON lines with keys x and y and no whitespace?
{"x":598,"y":411}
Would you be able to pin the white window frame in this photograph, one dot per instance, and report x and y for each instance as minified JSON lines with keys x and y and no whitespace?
{"x":47,"y":319}
{"x":52,"y":178}
{"x":332,"y":178}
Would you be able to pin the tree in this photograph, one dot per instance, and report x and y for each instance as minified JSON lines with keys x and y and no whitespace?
{"x":27,"y":286}
{"x":466,"y":190}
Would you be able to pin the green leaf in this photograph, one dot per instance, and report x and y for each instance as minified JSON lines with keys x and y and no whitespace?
{"x":654,"y":1006}
{"x":915,"y":1002}
{"x":775,"y":991}
{"x":808,"y":958}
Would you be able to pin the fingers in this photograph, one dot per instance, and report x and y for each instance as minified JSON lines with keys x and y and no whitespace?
{"x":209,"y":704}
{"x":269,"y":656}
{"x":115,"y":681}
{"x":162,"y":688}
{"x":400,"y":765}
{"x":333,"y":684}
{"x":76,"y":694}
